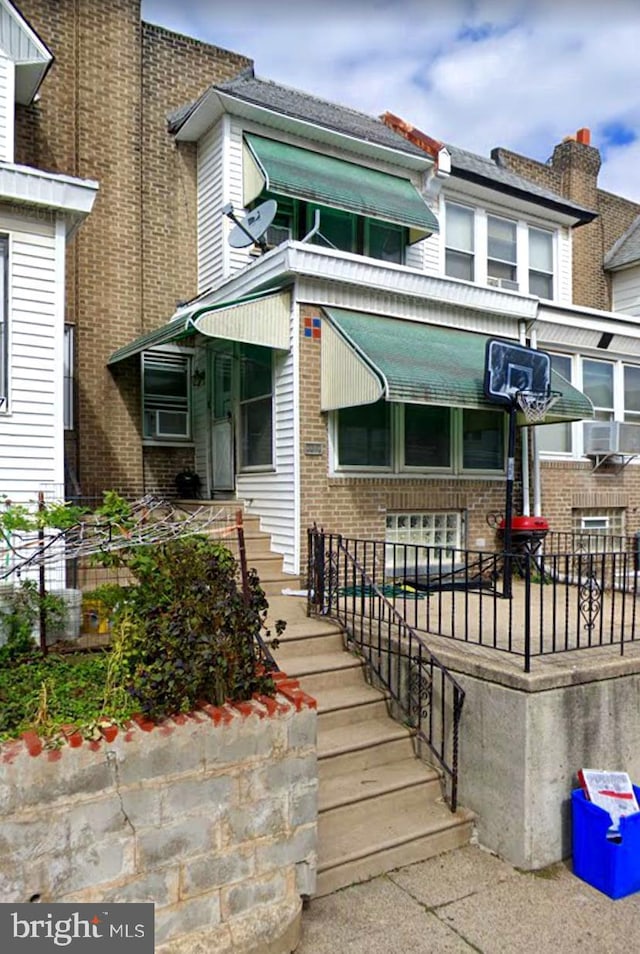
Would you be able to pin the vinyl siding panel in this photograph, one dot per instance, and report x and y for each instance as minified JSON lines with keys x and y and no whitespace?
{"x":210,"y":203}
{"x":7,"y":97}
{"x":625,"y":291}
{"x":31,"y":428}
{"x":564,"y":290}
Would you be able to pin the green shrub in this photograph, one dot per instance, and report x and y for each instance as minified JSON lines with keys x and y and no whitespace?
{"x":187,"y":633}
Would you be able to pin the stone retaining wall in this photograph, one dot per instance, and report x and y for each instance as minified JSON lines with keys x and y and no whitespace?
{"x":212,"y":816}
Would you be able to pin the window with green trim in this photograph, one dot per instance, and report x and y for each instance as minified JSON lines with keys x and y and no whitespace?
{"x":413,"y":437}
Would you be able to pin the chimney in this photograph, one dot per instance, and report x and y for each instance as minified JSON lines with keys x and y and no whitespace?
{"x":578,"y":164}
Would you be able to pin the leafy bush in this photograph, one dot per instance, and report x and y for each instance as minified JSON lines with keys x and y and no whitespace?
{"x":186,"y":632}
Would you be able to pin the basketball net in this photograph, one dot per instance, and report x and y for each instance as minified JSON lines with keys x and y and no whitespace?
{"x":535,"y":404}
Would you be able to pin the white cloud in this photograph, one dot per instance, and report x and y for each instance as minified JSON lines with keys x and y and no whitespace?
{"x":477,"y":73}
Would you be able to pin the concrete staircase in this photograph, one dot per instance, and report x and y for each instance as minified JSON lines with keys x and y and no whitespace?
{"x":380,"y":807}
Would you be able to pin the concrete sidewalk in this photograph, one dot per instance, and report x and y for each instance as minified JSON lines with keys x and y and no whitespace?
{"x":470,"y":901}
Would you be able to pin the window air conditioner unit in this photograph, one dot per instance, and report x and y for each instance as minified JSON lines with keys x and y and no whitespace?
{"x":611,"y":437}
{"x":503,"y":283}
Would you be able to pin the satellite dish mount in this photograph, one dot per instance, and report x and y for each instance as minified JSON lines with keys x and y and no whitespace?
{"x":252,"y":228}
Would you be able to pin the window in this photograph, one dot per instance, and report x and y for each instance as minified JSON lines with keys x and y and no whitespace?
{"x":556,"y":438}
{"x":599,"y":530}
{"x":482,"y":440}
{"x":364,"y":436}
{"x":404,"y":437}
{"x":427,"y":436}
{"x":612,"y":386}
{"x":385,"y":241}
{"x":444,"y":531}
{"x":459,"y":241}
{"x":597,"y":384}
{"x":256,"y":407}
{"x":165,"y":389}
{"x":337,"y":229}
{"x":540,"y":263}
{"x":67,"y":363}
{"x":502,"y":255}
{"x":632,"y":393}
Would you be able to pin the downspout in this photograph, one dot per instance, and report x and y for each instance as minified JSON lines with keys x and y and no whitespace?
{"x":537,"y":493}
{"x":524,"y":444}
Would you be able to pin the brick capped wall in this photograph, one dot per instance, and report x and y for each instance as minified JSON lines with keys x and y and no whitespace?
{"x":358,"y":505}
{"x":573,"y":172}
{"x":102,"y":115}
{"x":211,"y":815}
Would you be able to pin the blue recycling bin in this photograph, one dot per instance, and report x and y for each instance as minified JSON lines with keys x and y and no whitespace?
{"x":611,"y":867}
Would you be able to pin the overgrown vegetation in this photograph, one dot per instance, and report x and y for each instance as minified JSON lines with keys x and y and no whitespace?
{"x":184,"y":632}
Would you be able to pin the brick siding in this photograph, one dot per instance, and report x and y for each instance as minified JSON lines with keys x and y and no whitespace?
{"x":102,"y":115}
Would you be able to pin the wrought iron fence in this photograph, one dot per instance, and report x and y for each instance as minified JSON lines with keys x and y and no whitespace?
{"x":423,"y":692}
{"x":559,"y":601}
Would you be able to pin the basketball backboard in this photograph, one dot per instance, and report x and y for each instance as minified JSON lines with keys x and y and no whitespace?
{"x":511,"y":367}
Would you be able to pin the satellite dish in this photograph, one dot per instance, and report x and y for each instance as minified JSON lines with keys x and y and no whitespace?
{"x":253,"y":226}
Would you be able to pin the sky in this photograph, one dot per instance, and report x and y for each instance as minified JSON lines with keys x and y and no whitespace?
{"x":522,"y":74}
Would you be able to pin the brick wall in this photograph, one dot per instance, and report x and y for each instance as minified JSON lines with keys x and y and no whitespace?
{"x":102,"y":115}
{"x":358,"y":505}
{"x":573,"y":172}
{"x":212,"y":816}
{"x":574,"y":485}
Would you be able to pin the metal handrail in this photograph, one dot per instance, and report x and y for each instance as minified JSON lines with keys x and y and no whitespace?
{"x":422,"y":690}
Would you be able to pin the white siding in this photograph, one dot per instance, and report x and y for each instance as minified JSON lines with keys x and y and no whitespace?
{"x":210,"y":203}
{"x":7,"y":109}
{"x":625,"y":291}
{"x":274,"y":496}
{"x":31,"y":426}
{"x":564,"y":290}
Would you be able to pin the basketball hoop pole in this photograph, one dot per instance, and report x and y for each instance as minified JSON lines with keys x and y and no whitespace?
{"x":508,"y":504}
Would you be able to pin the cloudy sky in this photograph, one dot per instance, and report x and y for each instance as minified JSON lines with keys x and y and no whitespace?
{"x":476,"y":73}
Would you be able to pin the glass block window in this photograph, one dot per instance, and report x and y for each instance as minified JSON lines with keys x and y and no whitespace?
{"x":599,"y":530}
{"x":444,"y":530}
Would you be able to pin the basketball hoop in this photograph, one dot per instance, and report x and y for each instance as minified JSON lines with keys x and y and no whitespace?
{"x":535,"y":404}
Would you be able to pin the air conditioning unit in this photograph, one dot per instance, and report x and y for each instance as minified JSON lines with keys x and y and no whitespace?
{"x":611,"y":437}
{"x":503,"y":283}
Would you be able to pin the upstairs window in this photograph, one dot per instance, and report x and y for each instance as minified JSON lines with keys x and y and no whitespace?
{"x":540,"y":263}
{"x":502,"y":252}
{"x":165,"y":396}
{"x":459,"y":251}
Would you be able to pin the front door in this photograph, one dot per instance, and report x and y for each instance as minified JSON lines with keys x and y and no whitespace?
{"x":222,"y":440}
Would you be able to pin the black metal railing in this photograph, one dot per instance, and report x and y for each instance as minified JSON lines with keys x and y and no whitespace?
{"x":422,"y":691}
{"x":559,"y":601}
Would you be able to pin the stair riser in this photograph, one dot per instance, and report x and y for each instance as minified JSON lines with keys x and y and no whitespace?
{"x":411,"y":799}
{"x":315,"y":683}
{"x":275,"y":587}
{"x":311,"y":644}
{"x":332,"y":879}
{"x":392,"y":751}
{"x":350,"y":715}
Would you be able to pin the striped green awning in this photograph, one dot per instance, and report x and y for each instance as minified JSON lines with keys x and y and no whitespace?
{"x":284,"y":169}
{"x":367,"y":357}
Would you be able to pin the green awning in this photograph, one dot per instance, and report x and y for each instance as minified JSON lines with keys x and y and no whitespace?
{"x":367,"y":357}
{"x":260,"y":318}
{"x":315,"y":177}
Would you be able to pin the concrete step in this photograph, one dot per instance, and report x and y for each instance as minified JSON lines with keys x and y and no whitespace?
{"x":342,"y":790}
{"x":322,"y":663}
{"x":349,"y":714}
{"x":310,"y":644}
{"x":359,"y":746}
{"x":384,"y":833}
